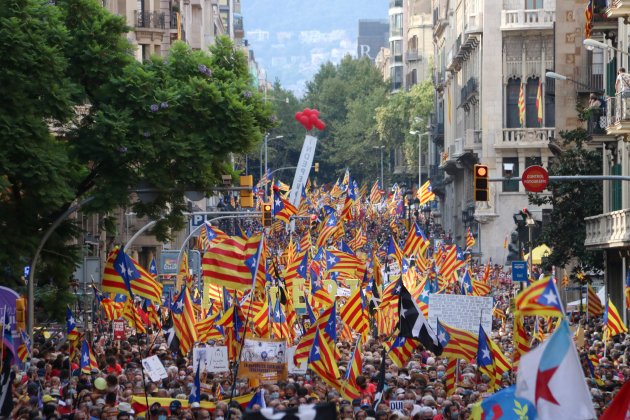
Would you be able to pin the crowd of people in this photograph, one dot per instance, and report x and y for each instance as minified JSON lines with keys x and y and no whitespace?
{"x":51,"y":384}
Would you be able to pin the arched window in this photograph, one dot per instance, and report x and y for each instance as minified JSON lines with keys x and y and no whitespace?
{"x":511,"y":99}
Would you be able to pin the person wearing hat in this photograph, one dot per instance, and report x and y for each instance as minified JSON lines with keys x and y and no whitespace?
{"x":175,"y":408}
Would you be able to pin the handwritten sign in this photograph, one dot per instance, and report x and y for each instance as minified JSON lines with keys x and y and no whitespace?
{"x":303,"y":169}
{"x":154,"y":368}
{"x":461,"y":311}
{"x":293,"y":369}
{"x":211,"y":359}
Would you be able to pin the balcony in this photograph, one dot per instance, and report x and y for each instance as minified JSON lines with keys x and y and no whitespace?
{"x":519,"y":20}
{"x":524,"y":137}
{"x":150,"y":20}
{"x":469,"y":93}
{"x":608,"y":230}
{"x":238,"y":26}
{"x":618,"y":8}
{"x":472,"y":140}
{"x":412,"y":55}
{"x":591,"y":78}
{"x":617,"y":120}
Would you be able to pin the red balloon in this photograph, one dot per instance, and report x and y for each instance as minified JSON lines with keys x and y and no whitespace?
{"x":313,"y":118}
{"x":319,"y":124}
{"x":315,"y":112}
{"x":309,"y":126}
{"x":298,"y":115}
{"x":307,"y":111}
{"x":304,"y":120}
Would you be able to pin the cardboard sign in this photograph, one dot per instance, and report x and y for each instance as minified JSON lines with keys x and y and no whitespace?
{"x":461,"y":311}
{"x":396,"y":405}
{"x":211,"y":359}
{"x":264,"y":360}
{"x":154,"y":368}
{"x":119,"y":329}
{"x":292,"y":368}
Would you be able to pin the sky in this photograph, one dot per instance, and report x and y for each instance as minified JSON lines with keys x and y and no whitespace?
{"x":291,"y":39}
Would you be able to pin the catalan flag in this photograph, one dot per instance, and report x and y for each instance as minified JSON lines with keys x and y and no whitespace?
{"x":358,"y":241}
{"x":354,"y":312}
{"x":210,"y":235}
{"x":521,"y":105}
{"x":282,"y":209}
{"x":540,"y":298}
{"x":539,"y":103}
{"x":588,"y":16}
{"x":400,"y":349}
{"x":452,"y":372}
{"x":456,"y":342}
{"x":307,"y":340}
{"x":521,"y":340}
{"x":184,"y":321}
{"x":349,"y":389}
{"x":132,"y":315}
{"x":342,"y":262}
{"x":470,"y":239}
{"x":71,"y":326}
{"x":594,"y":306}
{"x":24,"y":349}
{"x":375,"y":193}
{"x":225,"y":263}
{"x":485,"y":357}
{"x":321,"y":360}
{"x":613,"y":323}
{"x":416,"y":243}
{"x":207,"y":330}
{"x":112,"y":309}
{"x":327,"y":231}
{"x":426,"y":193}
{"x":88,"y":360}
{"x":123,"y":275}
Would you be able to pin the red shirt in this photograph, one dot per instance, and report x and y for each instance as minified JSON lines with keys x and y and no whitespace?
{"x":117,"y":369}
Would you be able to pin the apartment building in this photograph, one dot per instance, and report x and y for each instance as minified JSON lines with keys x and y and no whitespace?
{"x":610,"y":231}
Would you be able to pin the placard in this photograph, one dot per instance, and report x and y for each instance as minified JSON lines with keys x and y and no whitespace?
{"x":264,"y":360}
{"x":396,"y":405}
{"x":154,"y":368}
{"x":212,"y":359}
{"x":118,"y":326}
{"x":343,"y":292}
{"x":461,"y":311}
{"x":292,"y":368}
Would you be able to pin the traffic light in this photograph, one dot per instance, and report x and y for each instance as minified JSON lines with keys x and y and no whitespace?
{"x":316,"y":166}
{"x":20,"y":313}
{"x":481,"y":183}
{"x":266,"y":215}
{"x":246,"y":197}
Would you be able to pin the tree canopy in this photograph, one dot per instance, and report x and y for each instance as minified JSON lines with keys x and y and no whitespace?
{"x":566,"y":231}
{"x":82,"y":118}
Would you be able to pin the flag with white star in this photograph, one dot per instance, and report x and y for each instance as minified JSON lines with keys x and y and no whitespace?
{"x":413,"y":324}
{"x":540,"y":298}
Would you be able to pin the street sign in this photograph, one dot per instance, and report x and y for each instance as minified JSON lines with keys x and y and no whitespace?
{"x":197,"y":220}
{"x":535,"y":178}
{"x":519,"y":271}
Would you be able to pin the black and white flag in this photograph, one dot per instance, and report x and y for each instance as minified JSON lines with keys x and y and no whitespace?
{"x":413,"y":324}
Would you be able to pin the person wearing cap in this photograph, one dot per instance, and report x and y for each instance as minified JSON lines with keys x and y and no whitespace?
{"x":175,"y":407}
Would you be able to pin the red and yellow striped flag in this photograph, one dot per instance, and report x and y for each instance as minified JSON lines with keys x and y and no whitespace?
{"x":225,"y":264}
{"x":613,"y":323}
{"x":354,"y":312}
{"x":426,"y":193}
{"x":184,"y":321}
{"x":521,"y":105}
{"x":539,"y":103}
{"x":594,"y":306}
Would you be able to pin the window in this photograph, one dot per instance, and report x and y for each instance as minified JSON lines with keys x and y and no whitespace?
{"x":513,"y":89}
{"x":533,"y":4}
{"x":615,"y":191}
{"x":511,"y":185}
{"x":531,"y":110}
{"x":533,"y":160}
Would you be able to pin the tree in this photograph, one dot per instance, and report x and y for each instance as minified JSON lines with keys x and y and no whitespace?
{"x":347,"y":95}
{"x":572,"y":201}
{"x":168,"y":124}
{"x":405,"y":111}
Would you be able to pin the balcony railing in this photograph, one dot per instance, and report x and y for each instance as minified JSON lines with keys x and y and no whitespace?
{"x":144,"y":19}
{"x":617,"y":8}
{"x":412,"y":55}
{"x":608,"y":229}
{"x":617,"y":119}
{"x":527,"y":19}
{"x":591,"y":78}
{"x":395,"y":32}
{"x":515,"y":137}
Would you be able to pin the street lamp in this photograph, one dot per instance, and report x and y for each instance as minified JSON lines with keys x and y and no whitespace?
{"x":381,"y":149}
{"x":264,"y":146}
{"x":419,"y":134}
{"x":591,"y":43}
{"x":558,"y":76}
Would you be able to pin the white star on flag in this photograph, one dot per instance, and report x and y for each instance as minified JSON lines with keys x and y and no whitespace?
{"x":551,"y":298}
{"x":485,"y":353}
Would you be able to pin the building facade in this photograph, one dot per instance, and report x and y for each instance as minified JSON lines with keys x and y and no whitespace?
{"x":373,"y":35}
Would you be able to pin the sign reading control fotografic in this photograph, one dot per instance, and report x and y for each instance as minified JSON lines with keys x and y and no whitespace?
{"x":535,"y":179}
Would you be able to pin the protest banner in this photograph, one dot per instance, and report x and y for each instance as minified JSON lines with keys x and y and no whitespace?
{"x":154,"y":368}
{"x":211,"y":359}
{"x":264,"y":360}
{"x":292,"y":368}
{"x":461,"y":311}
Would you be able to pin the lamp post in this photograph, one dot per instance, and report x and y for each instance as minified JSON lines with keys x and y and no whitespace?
{"x":381,"y":149}
{"x":419,"y":134}
{"x":558,"y":76}
{"x":267,"y":141}
{"x":591,"y":43}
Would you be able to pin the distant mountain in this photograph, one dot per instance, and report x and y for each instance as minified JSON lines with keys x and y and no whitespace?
{"x":291,"y":39}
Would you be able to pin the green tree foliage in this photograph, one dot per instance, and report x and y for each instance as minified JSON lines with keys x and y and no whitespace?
{"x":572,"y":201}
{"x":118,"y":124}
{"x":403,"y":112}
{"x":347,"y":96}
